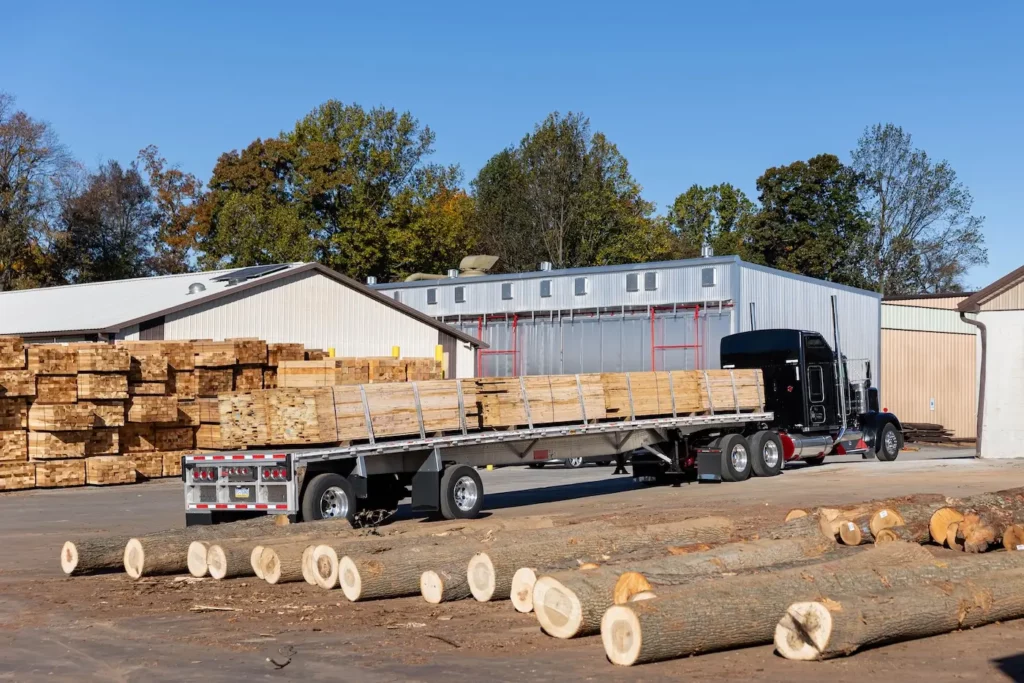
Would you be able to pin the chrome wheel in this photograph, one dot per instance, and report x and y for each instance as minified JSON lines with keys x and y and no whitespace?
{"x":465,"y":493}
{"x":573,"y":463}
{"x":891,"y":442}
{"x":334,"y":503}
{"x":738,"y":456}
{"x":770,"y":453}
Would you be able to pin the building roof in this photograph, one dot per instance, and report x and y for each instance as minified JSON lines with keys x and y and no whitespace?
{"x":937,"y":295}
{"x":108,"y":307}
{"x":973,"y":303}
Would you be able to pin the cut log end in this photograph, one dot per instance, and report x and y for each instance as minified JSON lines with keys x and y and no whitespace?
{"x":432,"y":587}
{"x":1013,"y":537}
{"x":954,"y":539}
{"x":940,"y":521}
{"x":307,"y":565}
{"x":850,"y":534}
{"x":217,"y":561}
{"x":804,"y":631}
{"x":886,"y":518}
{"x":134,"y":558}
{"x":885,"y":536}
{"x":643,"y":595}
{"x":557,"y":608}
{"x":349,"y":579}
{"x":255,"y":560}
{"x":270,"y":565}
{"x":795,"y":514}
{"x":628,"y":585}
{"x":281,"y":520}
{"x":523,"y":582}
{"x":621,"y":635}
{"x":324,"y":563}
{"x":68,"y":558}
{"x":480,"y":575}
{"x":196,"y":560}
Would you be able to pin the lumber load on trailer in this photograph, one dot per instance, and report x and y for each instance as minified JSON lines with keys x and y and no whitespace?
{"x":744,"y":611}
{"x":540,"y":399}
{"x":279,"y":417}
{"x":838,"y":626}
{"x":570,"y":604}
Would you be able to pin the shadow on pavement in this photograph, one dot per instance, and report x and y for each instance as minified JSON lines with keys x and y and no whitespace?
{"x":1012,"y":667}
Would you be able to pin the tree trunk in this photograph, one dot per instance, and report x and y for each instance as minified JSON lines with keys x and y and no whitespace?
{"x":915,"y":532}
{"x":855,"y":530}
{"x":838,"y":627}
{"x":815,"y":524}
{"x":744,"y":611}
{"x":939,"y":522}
{"x":396,"y":573}
{"x":150,"y":556}
{"x":196,"y":558}
{"x":93,"y":555}
{"x":230,"y":560}
{"x":445,"y":583}
{"x":491,"y":572}
{"x":570,"y":604}
{"x":284,"y":563}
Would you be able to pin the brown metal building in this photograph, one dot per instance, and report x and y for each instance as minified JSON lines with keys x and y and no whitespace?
{"x":930,"y":362}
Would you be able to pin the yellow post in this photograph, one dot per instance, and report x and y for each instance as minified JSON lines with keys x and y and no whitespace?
{"x":330,"y":352}
{"x":490,"y":468}
{"x":396,"y":351}
{"x":438,"y":353}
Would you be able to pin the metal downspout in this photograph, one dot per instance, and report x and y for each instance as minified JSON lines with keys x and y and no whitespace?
{"x":981,"y":384}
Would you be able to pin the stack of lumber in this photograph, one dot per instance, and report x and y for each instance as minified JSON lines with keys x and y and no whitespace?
{"x":922,"y":432}
{"x":276,"y":354}
{"x":16,"y":386}
{"x":330,"y":372}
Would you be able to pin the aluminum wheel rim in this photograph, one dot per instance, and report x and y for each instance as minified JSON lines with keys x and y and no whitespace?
{"x":575,"y":462}
{"x":465,"y":493}
{"x":334,"y":503}
{"x":891,"y":442}
{"x":770,"y":452}
{"x":738,"y":456}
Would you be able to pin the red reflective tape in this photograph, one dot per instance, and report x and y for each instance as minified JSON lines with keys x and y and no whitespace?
{"x":220,"y":506}
{"x":261,"y":506}
{"x":203,"y":506}
{"x":282,"y":507}
{"x":216,"y":457}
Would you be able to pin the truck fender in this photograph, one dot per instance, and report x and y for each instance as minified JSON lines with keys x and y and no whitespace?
{"x":871,"y":424}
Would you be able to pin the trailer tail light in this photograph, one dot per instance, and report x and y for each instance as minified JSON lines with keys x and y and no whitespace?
{"x":275,"y":474}
{"x":204,"y":474}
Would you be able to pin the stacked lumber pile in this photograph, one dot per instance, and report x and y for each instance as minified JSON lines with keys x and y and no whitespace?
{"x":321,"y":415}
{"x":923,"y":432}
{"x":330,"y":372}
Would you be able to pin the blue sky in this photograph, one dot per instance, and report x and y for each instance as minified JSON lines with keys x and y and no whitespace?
{"x":690,"y":92}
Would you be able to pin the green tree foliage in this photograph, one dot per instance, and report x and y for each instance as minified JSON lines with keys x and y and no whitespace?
{"x":810,"y":221}
{"x":349,"y":187}
{"x":566,"y":196}
{"x":718,"y":215}
{"x":176,"y":195}
{"x":923,"y":236}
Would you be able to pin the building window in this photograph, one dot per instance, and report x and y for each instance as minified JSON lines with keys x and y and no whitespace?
{"x":708,"y":277}
{"x":397,"y":296}
{"x":580,"y":286}
{"x":460,"y":295}
{"x":650,"y":281}
{"x":506,"y":290}
{"x":545,"y":288}
{"x":431,"y":296}
{"x":632,"y":282}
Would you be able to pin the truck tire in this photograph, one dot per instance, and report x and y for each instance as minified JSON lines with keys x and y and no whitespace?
{"x":815,"y":461}
{"x":573,"y":463}
{"x":462,"y":493}
{"x":890,"y":443}
{"x":735,"y":457}
{"x":328,"y":496}
{"x":766,"y":456}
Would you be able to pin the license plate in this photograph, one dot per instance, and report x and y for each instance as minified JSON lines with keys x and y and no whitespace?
{"x":241,"y":492}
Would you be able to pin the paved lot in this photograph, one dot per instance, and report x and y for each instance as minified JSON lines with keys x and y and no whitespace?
{"x":107,"y":628}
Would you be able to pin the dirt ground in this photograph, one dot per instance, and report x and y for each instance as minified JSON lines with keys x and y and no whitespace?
{"x":109,"y":628}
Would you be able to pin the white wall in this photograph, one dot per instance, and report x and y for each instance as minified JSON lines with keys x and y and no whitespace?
{"x":1003,"y":427}
{"x":465,"y":360}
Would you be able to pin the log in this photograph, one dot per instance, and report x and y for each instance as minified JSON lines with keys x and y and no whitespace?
{"x":254,"y":560}
{"x":1013,"y":537}
{"x":229,"y":560}
{"x":744,"y":611}
{"x":92,"y":556}
{"x":285,"y":563}
{"x":917,"y":532}
{"x":445,"y":583}
{"x":812,"y":525}
{"x":954,"y":539}
{"x":796,"y":513}
{"x":982,"y":529}
{"x":523,"y":582}
{"x":490,"y":574}
{"x":855,"y":530}
{"x":196,"y":558}
{"x":570,"y":604}
{"x":390,"y":574}
{"x":839,"y":626}
{"x":939,"y":522}
{"x":157,"y":555}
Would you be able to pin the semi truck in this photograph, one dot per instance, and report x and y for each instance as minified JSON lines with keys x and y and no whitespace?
{"x":810,"y":410}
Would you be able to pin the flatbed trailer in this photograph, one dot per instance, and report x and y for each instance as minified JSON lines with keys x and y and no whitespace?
{"x":441,"y":470}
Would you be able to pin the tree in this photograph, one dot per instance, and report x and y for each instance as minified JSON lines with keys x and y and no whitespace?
{"x":33,"y":168}
{"x":107,"y":231}
{"x":177,"y":196}
{"x":923,"y":236}
{"x":562,"y":195}
{"x":810,"y":221}
{"x":718,"y":215}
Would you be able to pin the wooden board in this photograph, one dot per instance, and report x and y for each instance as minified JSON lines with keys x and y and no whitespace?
{"x":13,"y":446}
{"x":211,"y":382}
{"x":17,"y":476}
{"x":13,"y":413}
{"x":136,"y":438}
{"x":17,"y":383}
{"x":175,"y":438}
{"x":280,"y":352}
{"x":148,"y":465}
{"x":147,"y":389}
{"x":152,"y":409}
{"x":248,"y":377}
{"x":102,"y":386}
{"x":106,"y":470}
{"x":188,"y":414}
{"x":107,"y":413}
{"x":172,"y":463}
{"x":148,"y":368}
{"x":56,"y":445}
{"x":208,"y":438}
{"x":182,"y":384}
{"x":209,"y":410}
{"x":103,"y":358}
{"x":60,"y":473}
{"x":61,"y":418}
{"x":102,"y":442}
{"x":550,"y":399}
{"x":56,"y":389}
{"x":52,"y":359}
{"x":12,"y":353}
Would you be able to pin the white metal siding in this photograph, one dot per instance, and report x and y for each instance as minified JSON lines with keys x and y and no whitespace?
{"x":782,"y":300}
{"x":900,"y":317}
{"x":130,"y":333}
{"x":1003,"y":428}
{"x":310,"y":309}
{"x":465,"y":360}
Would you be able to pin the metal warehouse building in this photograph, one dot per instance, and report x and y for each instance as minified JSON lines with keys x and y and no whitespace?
{"x":299,"y":302}
{"x":667,"y":315}
{"x":930,"y":362}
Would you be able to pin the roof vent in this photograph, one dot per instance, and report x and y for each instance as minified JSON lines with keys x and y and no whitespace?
{"x":706,"y":250}
{"x":196,"y":288}
{"x":453,"y":272}
{"x":545,"y":265}
{"x":371,"y":279}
